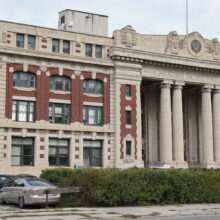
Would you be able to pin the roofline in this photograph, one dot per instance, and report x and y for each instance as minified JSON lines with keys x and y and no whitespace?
{"x":35,"y":26}
{"x":84,"y":12}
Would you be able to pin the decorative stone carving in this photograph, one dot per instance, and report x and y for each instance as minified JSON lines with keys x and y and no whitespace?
{"x":43,"y":68}
{"x":196,"y":44}
{"x":214,"y":48}
{"x":128,"y":36}
{"x":174,"y":43}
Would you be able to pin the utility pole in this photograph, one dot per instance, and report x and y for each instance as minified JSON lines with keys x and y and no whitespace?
{"x":186,"y":17}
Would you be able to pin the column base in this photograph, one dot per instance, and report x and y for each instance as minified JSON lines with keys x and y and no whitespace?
{"x":169,"y":165}
{"x":210,"y":165}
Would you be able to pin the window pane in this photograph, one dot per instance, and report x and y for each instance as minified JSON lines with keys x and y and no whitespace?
{"x":52,"y":161}
{"x":16,"y":151}
{"x":53,"y":142}
{"x":28,"y":161}
{"x":58,"y":156}
{"x":128,"y":117}
{"x":52,"y":151}
{"x":92,"y":153}
{"x":63,"y":161}
{"x":31,"y":42}
{"x":27,"y":150}
{"x":60,"y":83}
{"x":22,"y":151}
{"x":86,"y":157}
{"x":63,"y":143}
{"x":93,"y":86}
{"x":66,"y":46}
{"x":128,"y":147}
{"x":20,"y":40}
{"x":98,"y":51}
{"x":128,"y":90}
{"x":88,"y":50}
{"x":56,"y":45}
{"x":15,"y":161}
{"x":22,"y":79}
{"x":22,"y":111}
{"x":96,"y":157}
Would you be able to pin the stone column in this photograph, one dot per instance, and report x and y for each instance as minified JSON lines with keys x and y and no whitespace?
{"x":165,"y":124}
{"x":216,"y":124}
{"x":207,"y":129}
{"x":177,"y":107}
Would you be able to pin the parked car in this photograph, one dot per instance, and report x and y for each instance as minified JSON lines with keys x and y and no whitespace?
{"x":27,"y":185}
{"x":5,"y":179}
{"x":25,"y":176}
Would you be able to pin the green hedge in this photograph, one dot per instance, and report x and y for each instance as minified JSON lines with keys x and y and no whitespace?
{"x":116,"y":187}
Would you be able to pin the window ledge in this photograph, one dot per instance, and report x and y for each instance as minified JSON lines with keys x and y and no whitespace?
{"x":60,"y":92}
{"x":93,"y":95}
{"x":129,"y":126}
{"x":24,"y":88}
{"x":129,"y":98}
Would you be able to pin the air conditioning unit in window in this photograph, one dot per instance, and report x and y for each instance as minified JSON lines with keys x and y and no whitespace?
{"x":70,"y":23}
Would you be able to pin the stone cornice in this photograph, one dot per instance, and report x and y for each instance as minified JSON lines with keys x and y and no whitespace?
{"x":172,"y":61}
{"x":53,"y":56}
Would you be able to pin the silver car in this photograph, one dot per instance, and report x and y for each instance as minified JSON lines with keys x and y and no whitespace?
{"x":28,"y":184}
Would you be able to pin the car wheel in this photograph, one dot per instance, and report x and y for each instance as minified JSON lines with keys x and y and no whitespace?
{"x":2,"y":201}
{"x":21,"y":202}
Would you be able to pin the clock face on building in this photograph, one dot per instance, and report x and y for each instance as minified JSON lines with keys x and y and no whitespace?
{"x":196,"y":46}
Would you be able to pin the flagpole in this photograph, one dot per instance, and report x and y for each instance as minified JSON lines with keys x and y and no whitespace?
{"x":186,"y":17}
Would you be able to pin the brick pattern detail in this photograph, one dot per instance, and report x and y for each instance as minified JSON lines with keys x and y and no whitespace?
{"x":41,"y":147}
{"x":76,"y":140}
{"x":76,"y":148}
{"x":78,"y":45}
{"x":76,"y":156}
{"x":42,"y":93}
{"x":8,"y":41}
{"x":78,"y":51}
{"x":42,"y":139}
{"x":124,"y":130}
{"x":41,"y":155}
{"x":44,"y":46}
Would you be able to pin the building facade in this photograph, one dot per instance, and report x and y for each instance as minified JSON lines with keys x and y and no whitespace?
{"x":73,"y":97}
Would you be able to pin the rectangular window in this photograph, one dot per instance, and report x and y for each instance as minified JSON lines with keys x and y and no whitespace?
{"x":66,"y":46}
{"x":56,"y":45}
{"x":31,"y":42}
{"x":128,"y":148}
{"x":98,"y":51}
{"x":58,"y":152}
{"x":23,"y":111}
{"x":128,"y":117}
{"x":93,"y":86}
{"x":92,"y":115}
{"x":92,"y":153}
{"x":128,"y":90}
{"x":20,"y":40}
{"x":59,"y":113}
{"x":22,"y":151}
{"x":88,"y":50}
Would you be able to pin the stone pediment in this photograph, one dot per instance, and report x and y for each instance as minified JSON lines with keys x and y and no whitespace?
{"x":193,"y":43}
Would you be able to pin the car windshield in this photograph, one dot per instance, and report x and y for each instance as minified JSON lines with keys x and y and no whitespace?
{"x":38,"y":183}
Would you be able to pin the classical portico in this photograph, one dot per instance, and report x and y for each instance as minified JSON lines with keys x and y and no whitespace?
{"x":180,"y":98}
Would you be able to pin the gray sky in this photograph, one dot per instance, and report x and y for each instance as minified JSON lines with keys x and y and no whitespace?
{"x":146,"y":16}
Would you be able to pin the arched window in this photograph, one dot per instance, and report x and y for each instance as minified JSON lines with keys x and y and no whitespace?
{"x":24,"y":79}
{"x":93,"y":86}
{"x":60,"y":83}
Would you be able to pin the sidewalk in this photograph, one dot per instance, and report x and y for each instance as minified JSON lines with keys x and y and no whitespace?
{"x":14,"y":213}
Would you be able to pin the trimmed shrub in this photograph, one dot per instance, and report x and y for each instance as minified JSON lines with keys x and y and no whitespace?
{"x":114,"y":187}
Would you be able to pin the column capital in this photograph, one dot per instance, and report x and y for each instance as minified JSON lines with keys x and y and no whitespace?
{"x":166,"y":83}
{"x":179,"y":83}
{"x":207,"y":88}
